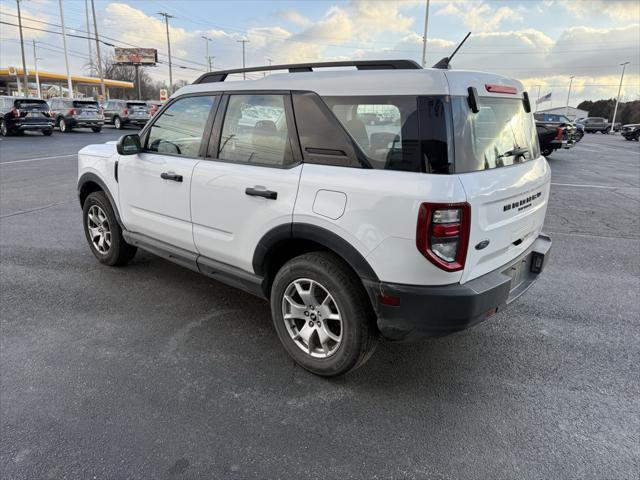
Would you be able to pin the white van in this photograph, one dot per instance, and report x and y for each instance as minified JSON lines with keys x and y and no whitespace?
{"x":386,"y":199}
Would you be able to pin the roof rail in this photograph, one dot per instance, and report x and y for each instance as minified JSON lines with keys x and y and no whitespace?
{"x":221,"y":75}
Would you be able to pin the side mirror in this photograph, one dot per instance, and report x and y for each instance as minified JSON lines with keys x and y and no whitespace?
{"x":129,"y":144}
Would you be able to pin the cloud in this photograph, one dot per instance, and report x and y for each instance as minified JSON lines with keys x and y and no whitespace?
{"x":480,"y":16}
{"x":623,"y":10}
{"x":295,"y":17}
{"x":9,"y":14}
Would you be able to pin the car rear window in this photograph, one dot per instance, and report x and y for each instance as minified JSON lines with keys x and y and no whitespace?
{"x":85,"y":104}
{"x":137,"y":105}
{"x":489,"y":138}
{"x":32,"y":105}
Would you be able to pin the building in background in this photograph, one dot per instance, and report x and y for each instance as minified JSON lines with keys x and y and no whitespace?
{"x":571,"y":112}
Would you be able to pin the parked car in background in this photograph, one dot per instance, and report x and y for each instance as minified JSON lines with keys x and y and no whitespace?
{"x":562,"y":120}
{"x":631,"y":131}
{"x":70,"y":113}
{"x":596,"y":124}
{"x":553,"y":136}
{"x":120,"y":113}
{"x":154,"y":106}
{"x":19,"y":115}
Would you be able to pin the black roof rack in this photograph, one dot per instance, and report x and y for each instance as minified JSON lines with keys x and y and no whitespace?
{"x":221,"y":75}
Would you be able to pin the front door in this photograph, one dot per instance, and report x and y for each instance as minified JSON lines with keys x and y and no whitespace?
{"x":155,"y":184}
{"x":252,"y":186}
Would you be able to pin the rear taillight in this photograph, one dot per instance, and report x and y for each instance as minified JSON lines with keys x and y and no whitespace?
{"x":15,"y":112}
{"x":72,"y":111}
{"x":125,"y":112}
{"x":442,"y":235}
{"x":559,"y":133}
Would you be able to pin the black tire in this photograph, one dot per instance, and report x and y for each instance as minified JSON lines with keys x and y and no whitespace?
{"x":117,"y":122}
{"x":47,"y":133}
{"x":547,"y":152}
{"x":62,"y":125}
{"x":358,"y":331}
{"x":119,"y":251}
{"x":4,"y":129}
{"x":96,"y":129}
{"x":579,"y":136}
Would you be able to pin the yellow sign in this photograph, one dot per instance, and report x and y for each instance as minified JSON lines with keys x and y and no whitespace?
{"x":163,"y":94}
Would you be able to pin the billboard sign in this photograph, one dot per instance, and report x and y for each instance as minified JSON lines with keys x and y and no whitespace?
{"x":163,"y":94}
{"x":136,"y":56}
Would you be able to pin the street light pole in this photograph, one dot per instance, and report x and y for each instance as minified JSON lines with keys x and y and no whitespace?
{"x":207,"y":57}
{"x":35,"y":63}
{"x":243,"y":41}
{"x":86,"y":11}
{"x":66,"y":54}
{"x":538,"y":100}
{"x":566,"y":108}
{"x":166,"y":22}
{"x":24,"y":63}
{"x":103,"y":89}
{"x":424,"y":39}
{"x":615,"y":110}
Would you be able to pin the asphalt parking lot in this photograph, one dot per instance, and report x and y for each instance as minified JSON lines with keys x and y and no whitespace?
{"x":152,"y":371}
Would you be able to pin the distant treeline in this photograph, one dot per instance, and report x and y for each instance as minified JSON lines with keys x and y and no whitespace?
{"x":628,"y":112}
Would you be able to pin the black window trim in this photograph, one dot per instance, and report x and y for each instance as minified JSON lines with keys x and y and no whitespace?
{"x":206,"y":133}
{"x":216,"y":130}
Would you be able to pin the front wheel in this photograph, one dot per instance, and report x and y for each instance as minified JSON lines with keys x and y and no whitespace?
{"x":322,"y":314}
{"x":103,"y":233}
{"x":4,"y":130}
{"x":546,"y":152}
{"x":118,"y":123}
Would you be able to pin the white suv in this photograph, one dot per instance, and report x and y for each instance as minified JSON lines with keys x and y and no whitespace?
{"x":386,"y":199}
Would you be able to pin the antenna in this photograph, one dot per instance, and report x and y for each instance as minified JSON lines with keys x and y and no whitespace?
{"x":444,"y":63}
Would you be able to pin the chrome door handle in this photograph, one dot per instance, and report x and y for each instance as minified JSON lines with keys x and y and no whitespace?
{"x":171,"y":176}
{"x":268,"y":194}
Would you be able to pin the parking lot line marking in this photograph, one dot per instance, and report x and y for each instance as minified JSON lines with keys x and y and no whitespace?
{"x":607,"y":187}
{"x":37,"y":159}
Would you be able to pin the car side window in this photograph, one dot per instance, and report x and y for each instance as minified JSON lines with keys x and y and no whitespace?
{"x":256,"y":131}
{"x":180,"y":128}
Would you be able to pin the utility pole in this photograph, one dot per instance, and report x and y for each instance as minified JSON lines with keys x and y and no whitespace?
{"x":264,"y":74}
{"x":615,"y":110}
{"x":66,"y":54}
{"x":538,"y":100}
{"x":95,"y":31}
{"x":207,"y":57}
{"x":566,"y":108}
{"x":166,"y":22}
{"x":35,"y":62}
{"x":24,"y":63}
{"x":424,"y":39}
{"x":243,"y":41}
{"x":211,"y":63}
{"x":86,"y":11}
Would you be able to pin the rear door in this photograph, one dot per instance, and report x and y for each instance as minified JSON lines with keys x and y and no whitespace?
{"x":505,"y":178}
{"x":155,"y":185}
{"x":250,"y":184}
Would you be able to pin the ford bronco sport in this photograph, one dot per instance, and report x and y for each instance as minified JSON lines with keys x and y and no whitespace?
{"x":418,"y":226}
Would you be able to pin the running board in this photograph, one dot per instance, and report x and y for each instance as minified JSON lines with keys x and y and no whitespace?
{"x":222,"y":272}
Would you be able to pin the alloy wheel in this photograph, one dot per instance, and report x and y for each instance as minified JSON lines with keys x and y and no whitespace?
{"x":99,"y":229}
{"x":312,"y":318}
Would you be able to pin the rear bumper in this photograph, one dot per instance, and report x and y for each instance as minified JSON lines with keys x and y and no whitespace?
{"x":32,"y":126}
{"x":135,"y":121}
{"x":441,"y":310}
{"x":85,"y":123}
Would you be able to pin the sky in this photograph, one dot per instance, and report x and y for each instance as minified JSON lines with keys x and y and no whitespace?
{"x":542,"y":43}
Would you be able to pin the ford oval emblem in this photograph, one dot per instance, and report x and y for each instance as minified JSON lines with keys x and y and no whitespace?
{"x":482,"y":244}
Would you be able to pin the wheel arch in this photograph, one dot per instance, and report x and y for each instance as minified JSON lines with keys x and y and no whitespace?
{"x":285,"y":242}
{"x":89,"y":183}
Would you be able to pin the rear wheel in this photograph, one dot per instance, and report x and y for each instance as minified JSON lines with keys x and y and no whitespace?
{"x":103,"y":233}
{"x":47,"y":133}
{"x":322,"y":314}
{"x":546,"y":152}
{"x":96,"y":129}
{"x":118,"y":123}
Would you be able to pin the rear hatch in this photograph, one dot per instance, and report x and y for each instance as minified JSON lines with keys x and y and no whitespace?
{"x":138,"y":110}
{"x":87,"y":109}
{"x":506,"y":180}
{"x":33,"y":112}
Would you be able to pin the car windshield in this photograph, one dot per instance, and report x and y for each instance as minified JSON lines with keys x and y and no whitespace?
{"x":500,"y":134}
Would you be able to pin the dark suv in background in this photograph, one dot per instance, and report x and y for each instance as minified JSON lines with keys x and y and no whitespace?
{"x":72,"y":113}
{"x":120,"y":113}
{"x":18,"y":115}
